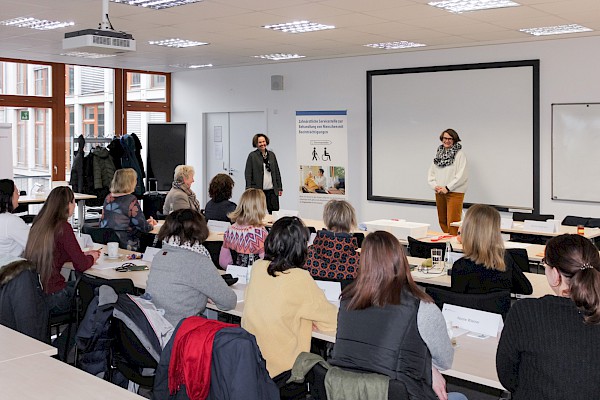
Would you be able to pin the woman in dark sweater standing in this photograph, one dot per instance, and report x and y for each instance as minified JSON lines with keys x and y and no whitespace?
{"x":548,"y":346}
{"x":262,"y":172}
{"x":52,"y":243}
{"x":486,"y":265}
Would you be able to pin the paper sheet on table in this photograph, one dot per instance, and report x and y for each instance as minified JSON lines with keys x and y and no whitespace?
{"x":516,"y":245}
{"x":332,"y":290}
{"x":150,"y":253}
{"x":239,"y":294}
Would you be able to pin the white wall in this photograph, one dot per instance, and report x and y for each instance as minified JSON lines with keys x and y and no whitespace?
{"x":568,"y":73}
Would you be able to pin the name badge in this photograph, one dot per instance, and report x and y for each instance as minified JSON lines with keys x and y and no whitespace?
{"x":477,"y":321}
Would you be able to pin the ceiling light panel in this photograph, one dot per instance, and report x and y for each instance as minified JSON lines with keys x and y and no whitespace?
{"x":156,"y":4}
{"x":556,"y":30}
{"x":33,"y":23}
{"x":176,"y":42}
{"x":279,"y":56}
{"x":403,"y":44}
{"x":191,"y":66}
{"x":460,"y":6}
{"x":299,"y":27}
{"x":83,"y":54}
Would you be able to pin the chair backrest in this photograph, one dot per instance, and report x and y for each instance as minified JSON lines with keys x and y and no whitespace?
{"x":312,"y":229}
{"x":316,"y":380}
{"x":572,"y":220}
{"x":532,"y":217}
{"x":494,"y":302}
{"x":100,"y":235}
{"x":214,"y":248}
{"x":359,"y":238}
{"x":520,"y":257}
{"x":593,"y":223}
{"x":87,"y":287}
{"x":417,"y":248}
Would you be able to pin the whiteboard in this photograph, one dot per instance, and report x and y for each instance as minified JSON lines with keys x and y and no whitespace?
{"x":494,"y":107}
{"x":575,"y":146}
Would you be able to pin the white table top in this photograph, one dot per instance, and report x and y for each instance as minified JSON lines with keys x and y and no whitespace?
{"x":41,"y":198}
{"x":14,"y":345}
{"x":39,"y":377}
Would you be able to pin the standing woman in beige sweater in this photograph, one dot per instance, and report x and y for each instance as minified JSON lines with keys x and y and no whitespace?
{"x":448,"y":176}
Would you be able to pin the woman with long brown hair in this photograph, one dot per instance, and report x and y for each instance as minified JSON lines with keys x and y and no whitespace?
{"x":52,"y":243}
{"x":385,"y":320}
{"x":548,"y":349}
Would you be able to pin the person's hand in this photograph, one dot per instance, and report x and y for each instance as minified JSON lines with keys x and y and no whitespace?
{"x":438,"y":384}
{"x":437,"y":189}
{"x":94,"y":253}
{"x":152,"y":221}
{"x":443,"y":190}
{"x":280,"y":193}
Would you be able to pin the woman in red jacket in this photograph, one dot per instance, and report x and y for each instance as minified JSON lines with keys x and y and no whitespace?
{"x":52,"y":243}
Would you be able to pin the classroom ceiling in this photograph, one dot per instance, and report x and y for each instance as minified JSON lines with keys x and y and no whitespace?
{"x":234,"y":28}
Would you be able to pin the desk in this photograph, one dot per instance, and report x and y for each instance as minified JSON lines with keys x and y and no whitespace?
{"x":80,"y":198}
{"x":517,"y":227}
{"x":15,"y":345}
{"x":44,"y":378}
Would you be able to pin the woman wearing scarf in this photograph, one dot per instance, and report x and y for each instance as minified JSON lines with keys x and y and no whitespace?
{"x":262,"y":172}
{"x":448,"y":177}
{"x":181,"y":195}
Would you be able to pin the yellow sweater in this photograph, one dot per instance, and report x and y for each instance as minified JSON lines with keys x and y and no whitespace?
{"x":280,"y":312}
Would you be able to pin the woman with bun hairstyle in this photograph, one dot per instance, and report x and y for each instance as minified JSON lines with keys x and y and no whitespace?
{"x":548,"y":348}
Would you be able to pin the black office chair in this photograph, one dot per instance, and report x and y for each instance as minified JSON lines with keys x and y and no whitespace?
{"x":572,"y":220}
{"x":532,"y":217}
{"x":417,"y":248}
{"x":593,"y":223}
{"x":521,"y":258}
{"x":87,"y":288}
{"x":312,"y":229}
{"x":494,"y":302}
{"x":316,"y":383}
{"x":100,"y":235}
{"x":214,"y":248}
{"x":359,"y":238}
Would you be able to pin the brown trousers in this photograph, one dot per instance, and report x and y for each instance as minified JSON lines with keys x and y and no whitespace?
{"x":449,"y":208}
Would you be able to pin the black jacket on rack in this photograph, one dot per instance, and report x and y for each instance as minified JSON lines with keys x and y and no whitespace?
{"x":138,"y":153}
{"x":116,"y":152}
{"x":77,"y":177}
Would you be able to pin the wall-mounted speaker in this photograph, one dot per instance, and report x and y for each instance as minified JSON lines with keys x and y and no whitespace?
{"x":276,"y":82}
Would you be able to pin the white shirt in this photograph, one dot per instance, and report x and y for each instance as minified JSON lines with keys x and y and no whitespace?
{"x":13,"y":234}
{"x":321,"y":181}
{"x":267,"y":179}
{"x":454,"y":176}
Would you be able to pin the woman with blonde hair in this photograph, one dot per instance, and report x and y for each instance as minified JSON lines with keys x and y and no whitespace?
{"x":122,"y":211}
{"x":52,"y":243}
{"x":486,"y":266}
{"x":333,"y":254}
{"x":246,"y":237}
{"x":181,"y":194}
{"x":547,"y":349}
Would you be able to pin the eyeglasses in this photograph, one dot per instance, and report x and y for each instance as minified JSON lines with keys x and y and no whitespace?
{"x":447,"y":138}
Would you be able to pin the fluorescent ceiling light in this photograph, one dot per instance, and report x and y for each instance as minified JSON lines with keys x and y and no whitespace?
{"x":403,"y":44}
{"x":156,"y":4}
{"x":299,"y":27}
{"x":555,"y":30}
{"x":279,"y":56}
{"x":460,"y":6}
{"x":191,"y":66}
{"x":33,"y":23}
{"x":84,"y":54}
{"x":176,"y":42}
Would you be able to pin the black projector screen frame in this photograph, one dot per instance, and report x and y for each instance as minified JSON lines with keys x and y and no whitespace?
{"x":166,"y":150}
{"x":494,"y":107}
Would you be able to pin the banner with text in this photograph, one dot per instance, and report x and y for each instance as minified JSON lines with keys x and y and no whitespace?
{"x":322,"y":156}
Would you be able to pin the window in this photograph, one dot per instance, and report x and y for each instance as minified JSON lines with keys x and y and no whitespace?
{"x":69,"y":135}
{"x":69,"y":80}
{"x":21,"y":78}
{"x":41,"y":139}
{"x":133,"y":81}
{"x":158,"y":81}
{"x":2,"y":78}
{"x":41,"y":81}
{"x":21,"y":139}
{"x":93,"y":120}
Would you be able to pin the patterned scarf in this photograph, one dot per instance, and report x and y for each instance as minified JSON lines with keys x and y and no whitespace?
{"x":445,"y":157}
{"x":196,"y":247}
{"x":192,"y":196}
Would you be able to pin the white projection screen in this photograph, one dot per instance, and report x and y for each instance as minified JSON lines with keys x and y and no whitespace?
{"x":494,"y":107}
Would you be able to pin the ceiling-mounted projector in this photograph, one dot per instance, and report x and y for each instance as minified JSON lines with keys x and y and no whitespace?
{"x":99,"y":41}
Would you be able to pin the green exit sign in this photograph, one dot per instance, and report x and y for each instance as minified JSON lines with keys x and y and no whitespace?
{"x":24,"y":115}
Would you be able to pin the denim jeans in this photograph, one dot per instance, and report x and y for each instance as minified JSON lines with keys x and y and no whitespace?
{"x":60,"y":302}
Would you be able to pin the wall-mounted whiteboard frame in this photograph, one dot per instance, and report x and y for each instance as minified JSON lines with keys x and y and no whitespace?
{"x":493,"y":106}
{"x":575,"y":146}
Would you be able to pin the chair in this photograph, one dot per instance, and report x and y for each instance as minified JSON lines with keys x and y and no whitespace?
{"x":316,"y":383}
{"x":214,"y":248}
{"x":359,"y":238}
{"x":417,"y":248}
{"x":312,"y":229}
{"x":87,"y":286}
{"x":572,"y":220}
{"x":494,"y":302}
{"x":520,"y":257}
{"x":533,"y":217}
{"x":100,"y":235}
{"x":593,"y":223}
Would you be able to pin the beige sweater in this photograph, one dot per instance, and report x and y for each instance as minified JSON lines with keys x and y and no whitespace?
{"x":454,"y":176}
{"x":280,"y":311}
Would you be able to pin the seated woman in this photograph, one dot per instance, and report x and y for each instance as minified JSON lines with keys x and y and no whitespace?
{"x":283,"y":302}
{"x":246,"y":237}
{"x":52,"y":243}
{"x":219,"y":190}
{"x":181,"y":194}
{"x":122,"y":211}
{"x":13,"y":230}
{"x":333,"y":255}
{"x":547,"y":348}
{"x":486,"y":266}
{"x":183,"y":277}
{"x":383,"y":299}
{"x":310,"y":186}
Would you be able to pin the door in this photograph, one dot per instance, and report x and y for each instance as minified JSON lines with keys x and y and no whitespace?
{"x":229,"y":140}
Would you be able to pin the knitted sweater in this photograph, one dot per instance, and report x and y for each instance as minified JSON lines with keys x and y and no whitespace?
{"x":280,"y":311}
{"x":454,"y":176}
{"x":333,"y":256}
{"x":242,"y":239}
{"x":546,"y":351}
{"x":181,"y":281}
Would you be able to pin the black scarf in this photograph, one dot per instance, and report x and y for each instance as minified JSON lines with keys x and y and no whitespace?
{"x":445,"y":157}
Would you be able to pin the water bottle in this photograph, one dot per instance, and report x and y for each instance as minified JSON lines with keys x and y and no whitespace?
{"x":447,"y":262}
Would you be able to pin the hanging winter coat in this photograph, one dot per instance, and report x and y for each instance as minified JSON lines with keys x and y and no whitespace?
{"x":104,"y":169}
{"x":129,"y":160}
{"x":116,"y":152}
{"x":138,"y":153}
{"x":76,"y":180}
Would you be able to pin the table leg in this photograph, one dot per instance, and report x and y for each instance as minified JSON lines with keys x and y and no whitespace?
{"x":80,"y":215}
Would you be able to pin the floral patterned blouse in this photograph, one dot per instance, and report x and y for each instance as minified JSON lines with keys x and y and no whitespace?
{"x":124,"y":215}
